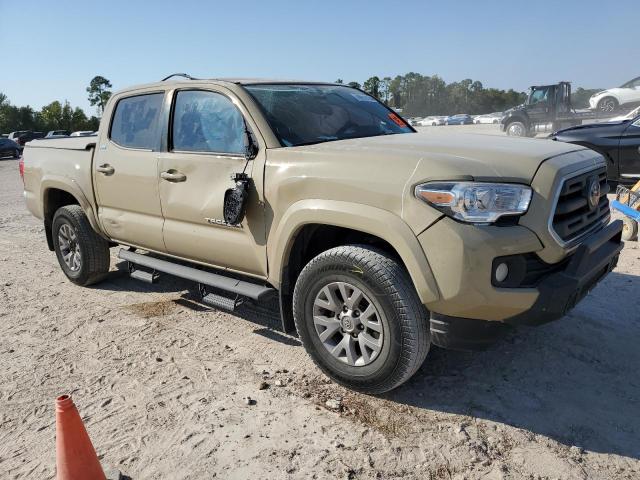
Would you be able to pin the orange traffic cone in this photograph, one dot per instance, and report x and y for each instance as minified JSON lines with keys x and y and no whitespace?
{"x":76,"y":458}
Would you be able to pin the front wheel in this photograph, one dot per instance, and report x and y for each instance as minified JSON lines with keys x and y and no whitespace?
{"x":360,"y":318}
{"x":517,"y":129}
{"x":82,"y":254}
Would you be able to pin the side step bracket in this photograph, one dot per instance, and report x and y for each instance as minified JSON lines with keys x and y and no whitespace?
{"x":241,"y":288}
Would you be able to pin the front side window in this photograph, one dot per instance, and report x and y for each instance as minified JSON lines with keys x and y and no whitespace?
{"x":538,"y":96}
{"x":135,"y":121}
{"x":207,"y":122}
{"x":301,"y":114}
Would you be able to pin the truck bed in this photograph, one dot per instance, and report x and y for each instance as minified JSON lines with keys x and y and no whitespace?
{"x":63,"y":163}
{"x":65,"y":143}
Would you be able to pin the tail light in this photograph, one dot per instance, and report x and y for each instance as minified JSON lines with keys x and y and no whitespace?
{"x":21,"y":167}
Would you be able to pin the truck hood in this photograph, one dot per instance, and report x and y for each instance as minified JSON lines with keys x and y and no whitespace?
{"x":445,"y":156}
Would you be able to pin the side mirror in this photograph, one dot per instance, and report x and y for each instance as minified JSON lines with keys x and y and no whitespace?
{"x":235,"y":200}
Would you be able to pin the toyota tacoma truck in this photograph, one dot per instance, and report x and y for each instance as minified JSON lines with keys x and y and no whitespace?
{"x":378,"y":241}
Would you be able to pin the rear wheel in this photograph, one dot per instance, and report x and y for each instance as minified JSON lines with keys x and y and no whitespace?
{"x":607,"y":105}
{"x":360,"y":318}
{"x":629,"y":229}
{"x":82,"y":254}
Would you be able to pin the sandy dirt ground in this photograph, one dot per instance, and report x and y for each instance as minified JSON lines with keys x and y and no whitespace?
{"x":163,"y":385}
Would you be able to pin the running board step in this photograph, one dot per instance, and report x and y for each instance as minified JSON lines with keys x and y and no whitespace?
{"x":149,"y":277}
{"x":218,"y":301}
{"x":228,"y":284}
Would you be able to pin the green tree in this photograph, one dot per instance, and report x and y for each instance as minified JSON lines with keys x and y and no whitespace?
{"x":51,"y":116}
{"x":354,"y":85}
{"x":98,"y":92}
{"x":66,"y":119}
{"x":372,"y":86}
{"x":339,"y":81}
{"x":79,"y":120}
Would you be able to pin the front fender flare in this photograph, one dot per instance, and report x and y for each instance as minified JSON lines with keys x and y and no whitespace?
{"x":363,"y":218}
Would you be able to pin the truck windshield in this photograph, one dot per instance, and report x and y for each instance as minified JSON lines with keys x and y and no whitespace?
{"x":302,"y":114}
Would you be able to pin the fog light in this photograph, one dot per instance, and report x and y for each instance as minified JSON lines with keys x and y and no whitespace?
{"x":501,"y":272}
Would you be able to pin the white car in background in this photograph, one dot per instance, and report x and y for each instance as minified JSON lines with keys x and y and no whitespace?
{"x":488,"y":118}
{"x":609,"y":100}
{"x":628,"y":116}
{"x":432,"y":121}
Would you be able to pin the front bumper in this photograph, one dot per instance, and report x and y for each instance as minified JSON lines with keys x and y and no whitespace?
{"x":561,"y":291}
{"x":462,"y":257}
{"x":556,"y":294}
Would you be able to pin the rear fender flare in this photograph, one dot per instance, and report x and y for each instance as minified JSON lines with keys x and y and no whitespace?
{"x":71,"y":187}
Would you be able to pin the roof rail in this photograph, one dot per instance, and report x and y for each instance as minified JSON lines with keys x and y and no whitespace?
{"x":179,"y":75}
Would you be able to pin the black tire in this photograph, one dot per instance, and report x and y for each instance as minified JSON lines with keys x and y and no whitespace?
{"x":16,"y":154}
{"x":607,"y":105}
{"x":93,"y":249}
{"x":629,"y":229}
{"x":404,"y":319}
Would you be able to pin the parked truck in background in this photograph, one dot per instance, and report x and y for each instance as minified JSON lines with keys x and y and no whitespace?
{"x":547,"y":108}
{"x":379,"y":241}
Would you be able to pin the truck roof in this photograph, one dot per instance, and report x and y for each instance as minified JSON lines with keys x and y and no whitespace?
{"x":223,"y":81}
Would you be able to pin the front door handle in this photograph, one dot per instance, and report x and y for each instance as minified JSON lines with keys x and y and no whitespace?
{"x":173,"y":176}
{"x":106,"y":169}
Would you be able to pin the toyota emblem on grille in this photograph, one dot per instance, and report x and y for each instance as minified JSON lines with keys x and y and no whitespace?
{"x":593,"y":193}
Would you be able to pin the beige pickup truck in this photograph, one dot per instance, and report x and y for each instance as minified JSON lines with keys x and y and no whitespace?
{"x":378,"y":240}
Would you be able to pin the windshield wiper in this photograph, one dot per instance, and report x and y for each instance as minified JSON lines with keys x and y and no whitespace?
{"x":314,"y":142}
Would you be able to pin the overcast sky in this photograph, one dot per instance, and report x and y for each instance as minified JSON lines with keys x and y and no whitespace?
{"x":51,"y":50}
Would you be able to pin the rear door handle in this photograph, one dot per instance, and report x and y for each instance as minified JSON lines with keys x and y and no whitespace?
{"x":106,"y":169}
{"x":173,"y":176}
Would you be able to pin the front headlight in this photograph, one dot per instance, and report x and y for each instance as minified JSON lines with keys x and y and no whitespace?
{"x":476,"y":202}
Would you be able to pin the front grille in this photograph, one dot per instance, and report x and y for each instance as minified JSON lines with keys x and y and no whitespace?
{"x":573,"y":216}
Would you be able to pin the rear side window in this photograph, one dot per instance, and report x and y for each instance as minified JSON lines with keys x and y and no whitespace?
{"x":207,"y":122}
{"x":135,"y":121}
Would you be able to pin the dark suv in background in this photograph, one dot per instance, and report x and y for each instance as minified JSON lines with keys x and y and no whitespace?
{"x":9,"y":148}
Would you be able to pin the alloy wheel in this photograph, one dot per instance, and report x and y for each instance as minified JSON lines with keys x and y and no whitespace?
{"x":69,"y":247}
{"x":348,"y":324}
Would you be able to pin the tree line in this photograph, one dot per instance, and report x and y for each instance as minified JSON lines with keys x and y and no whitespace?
{"x":423,"y":95}
{"x":56,"y":115}
{"x":415,"y":94}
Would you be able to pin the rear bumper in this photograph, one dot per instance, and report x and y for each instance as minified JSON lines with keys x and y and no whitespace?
{"x":561,"y":291}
